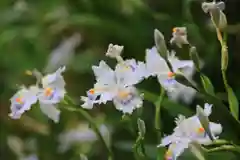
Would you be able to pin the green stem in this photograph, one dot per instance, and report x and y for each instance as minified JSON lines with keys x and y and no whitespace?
{"x":91,"y":121}
{"x":158,"y":105}
{"x":138,"y":155}
{"x":225,"y":148}
{"x":225,"y":79}
{"x":220,"y":142}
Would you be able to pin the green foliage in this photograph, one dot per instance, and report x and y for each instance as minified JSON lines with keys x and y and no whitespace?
{"x":30,"y":30}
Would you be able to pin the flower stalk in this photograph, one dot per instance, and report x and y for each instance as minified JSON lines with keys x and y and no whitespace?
{"x":158,"y":105}
{"x":68,"y":101}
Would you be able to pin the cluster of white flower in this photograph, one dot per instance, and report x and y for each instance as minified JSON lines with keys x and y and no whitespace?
{"x":50,"y":93}
{"x":118,"y":85}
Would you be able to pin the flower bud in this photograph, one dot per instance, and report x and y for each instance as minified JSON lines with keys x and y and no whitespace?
{"x":160,"y":43}
{"x":114,"y":51}
{"x":179,"y":36}
{"x":194,"y":56}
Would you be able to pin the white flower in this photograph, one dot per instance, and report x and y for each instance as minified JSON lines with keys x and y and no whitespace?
{"x":131,"y":72}
{"x":182,"y":92}
{"x":114,"y":51}
{"x":90,"y":100}
{"x":52,"y":93}
{"x":116,"y":86}
{"x":190,"y":129}
{"x":81,"y":134}
{"x":22,"y":101}
{"x":157,"y":66}
{"x":213,"y":6}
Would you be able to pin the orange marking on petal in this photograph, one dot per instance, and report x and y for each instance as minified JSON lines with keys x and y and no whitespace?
{"x":91,"y":91}
{"x":19,"y":100}
{"x":170,"y":74}
{"x":48,"y":91}
{"x":201,"y":130}
{"x":123,"y":94}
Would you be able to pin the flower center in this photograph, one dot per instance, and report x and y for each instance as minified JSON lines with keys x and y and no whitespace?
{"x":123,"y":94}
{"x":48,"y":92}
{"x":171,"y":74}
{"x":174,"y":30}
{"x":92,"y":91}
{"x":19,"y":100}
{"x":200,"y":130}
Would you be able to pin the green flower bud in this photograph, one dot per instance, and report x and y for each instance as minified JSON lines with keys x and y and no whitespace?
{"x":160,"y":43}
{"x":194,"y":56}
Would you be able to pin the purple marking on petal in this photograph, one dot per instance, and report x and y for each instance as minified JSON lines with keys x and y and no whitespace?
{"x":133,"y":68}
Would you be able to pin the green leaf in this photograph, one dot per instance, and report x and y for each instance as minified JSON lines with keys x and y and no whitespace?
{"x":172,"y":107}
{"x":233,"y":103}
{"x":207,"y":84}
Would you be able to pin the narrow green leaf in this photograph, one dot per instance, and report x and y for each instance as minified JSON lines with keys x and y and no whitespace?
{"x":207,"y":84}
{"x":172,"y":107}
{"x":233,"y":103}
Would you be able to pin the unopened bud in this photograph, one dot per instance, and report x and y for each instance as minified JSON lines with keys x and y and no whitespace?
{"x":160,"y":43}
{"x":179,"y":36}
{"x":194,"y":56}
{"x":114,"y":51}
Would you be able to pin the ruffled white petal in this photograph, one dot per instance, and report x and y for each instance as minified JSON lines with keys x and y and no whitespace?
{"x":50,"y":111}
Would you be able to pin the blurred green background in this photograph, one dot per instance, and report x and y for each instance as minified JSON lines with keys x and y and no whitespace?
{"x":33,"y":32}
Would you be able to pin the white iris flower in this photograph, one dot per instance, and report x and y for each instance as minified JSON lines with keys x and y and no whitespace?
{"x":116,"y":85}
{"x":53,"y":92}
{"x":22,"y":101}
{"x":189,"y":130}
{"x":157,"y":66}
